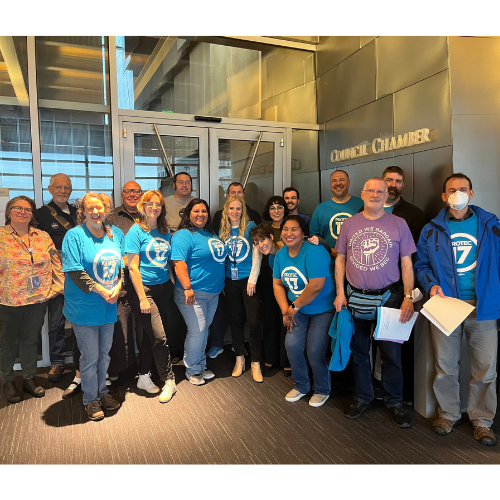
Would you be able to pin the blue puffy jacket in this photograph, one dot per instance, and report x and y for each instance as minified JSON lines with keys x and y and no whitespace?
{"x":435,"y":262}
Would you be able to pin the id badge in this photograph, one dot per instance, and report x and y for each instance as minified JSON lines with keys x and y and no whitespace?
{"x":33,"y":282}
{"x":234,"y":273}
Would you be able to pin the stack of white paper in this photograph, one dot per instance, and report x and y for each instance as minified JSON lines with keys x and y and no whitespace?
{"x":389,"y":328}
{"x":446,"y":312}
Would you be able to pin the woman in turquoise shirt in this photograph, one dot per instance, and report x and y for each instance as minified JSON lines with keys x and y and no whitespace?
{"x":92,"y":260}
{"x":148,"y":251}
{"x":199,"y":257}
{"x":303,"y":270}
{"x":242,"y":272}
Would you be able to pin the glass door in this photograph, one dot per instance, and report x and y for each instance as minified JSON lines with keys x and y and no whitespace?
{"x":253,"y":158}
{"x":152,"y":154}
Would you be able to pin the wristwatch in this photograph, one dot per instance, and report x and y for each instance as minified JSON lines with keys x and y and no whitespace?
{"x":409,"y":297}
{"x":295,"y":307}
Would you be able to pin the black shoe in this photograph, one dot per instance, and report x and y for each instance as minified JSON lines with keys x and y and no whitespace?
{"x":55,"y":373}
{"x":355,"y":409}
{"x":286,"y":372}
{"x":30,"y":386}
{"x":73,"y":388}
{"x":400,"y":417}
{"x":11,"y":392}
{"x":266,"y":368}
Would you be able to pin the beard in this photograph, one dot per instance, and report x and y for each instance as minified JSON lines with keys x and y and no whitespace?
{"x":394,"y":193}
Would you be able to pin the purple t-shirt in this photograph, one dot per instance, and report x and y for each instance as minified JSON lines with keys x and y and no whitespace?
{"x":373,"y":249}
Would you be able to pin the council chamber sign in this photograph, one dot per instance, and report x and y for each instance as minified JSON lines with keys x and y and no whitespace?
{"x":382,"y":145}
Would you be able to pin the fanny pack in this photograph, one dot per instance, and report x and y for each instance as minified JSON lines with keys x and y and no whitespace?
{"x":364,"y":305}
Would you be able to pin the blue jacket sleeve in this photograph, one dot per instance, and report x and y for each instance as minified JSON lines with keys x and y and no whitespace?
{"x":423,"y":267}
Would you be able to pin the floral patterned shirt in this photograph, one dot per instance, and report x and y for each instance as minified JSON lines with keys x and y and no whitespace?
{"x":17,"y":267}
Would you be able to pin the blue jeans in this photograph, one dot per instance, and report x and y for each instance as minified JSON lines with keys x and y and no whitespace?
{"x":310,"y":335}
{"x":198,"y":318}
{"x":94,"y":343}
{"x":57,"y":339}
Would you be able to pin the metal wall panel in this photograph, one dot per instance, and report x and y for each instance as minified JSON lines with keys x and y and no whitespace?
{"x":475,"y":75}
{"x":363,"y":40}
{"x":297,"y":105}
{"x":348,"y":85}
{"x":476,"y":153}
{"x":359,"y":127}
{"x":425,"y":105}
{"x":334,"y":49}
{"x":430,"y":169}
{"x":308,"y":186}
{"x":405,"y":60}
{"x":322,"y":148}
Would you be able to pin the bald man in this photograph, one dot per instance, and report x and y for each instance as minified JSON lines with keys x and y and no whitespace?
{"x":126,"y":214}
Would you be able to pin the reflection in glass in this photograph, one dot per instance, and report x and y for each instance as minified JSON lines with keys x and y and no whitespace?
{"x":210,"y":76}
{"x":151,"y":170}
{"x":73,"y":68}
{"x":77,"y":143}
{"x":234,"y":160}
{"x":16,"y":166}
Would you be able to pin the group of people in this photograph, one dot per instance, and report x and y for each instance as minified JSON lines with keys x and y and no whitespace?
{"x":154,"y":263}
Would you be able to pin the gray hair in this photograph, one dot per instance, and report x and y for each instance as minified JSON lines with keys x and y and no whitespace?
{"x":59,"y":174}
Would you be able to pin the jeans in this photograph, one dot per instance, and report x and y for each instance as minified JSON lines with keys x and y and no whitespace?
{"x":198,"y":318}
{"x":94,"y":343}
{"x":482,"y":341}
{"x":310,"y":335}
{"x":390,"y":353}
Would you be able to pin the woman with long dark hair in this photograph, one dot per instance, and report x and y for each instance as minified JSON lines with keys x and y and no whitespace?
{"x":199,"y":257}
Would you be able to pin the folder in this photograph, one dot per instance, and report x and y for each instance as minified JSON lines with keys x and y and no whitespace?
{"x":447,"y":313}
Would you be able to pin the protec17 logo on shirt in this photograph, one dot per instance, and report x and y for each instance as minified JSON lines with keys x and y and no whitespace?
{"x":336,"y":223}
{"x":106,"y":265}
{"x":294,"y":280}
{"x":238,"y":248}
{"x":464,"y":249}
{"x":218,"y":249}
{"x":157,"y":251}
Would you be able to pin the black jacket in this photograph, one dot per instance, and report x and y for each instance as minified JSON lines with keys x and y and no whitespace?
{"x":50,"y":225}
{"x":413,"y":216}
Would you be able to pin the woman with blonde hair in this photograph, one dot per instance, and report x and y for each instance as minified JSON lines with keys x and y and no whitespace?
{"x":150,"y":290}
{"x":92,"y":260}
{"x":242,"y":271}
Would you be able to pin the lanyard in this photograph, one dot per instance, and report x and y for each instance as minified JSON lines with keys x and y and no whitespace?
{"x":234,"y":248}
{"x":29,"y":248}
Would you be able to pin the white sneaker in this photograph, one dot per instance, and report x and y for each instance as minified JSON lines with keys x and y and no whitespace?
{"x":318,"y":399}
{"x":169,"y":389}
{"x":294,"y":395}
{"x":207,"y":374}
{"x":196,"y":379}
{"x":146,"y":384}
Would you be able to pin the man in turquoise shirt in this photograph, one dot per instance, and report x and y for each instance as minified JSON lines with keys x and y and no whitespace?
{"x":328,"y":217}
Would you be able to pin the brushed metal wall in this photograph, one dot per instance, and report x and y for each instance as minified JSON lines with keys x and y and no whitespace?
{"x":413,"y":74}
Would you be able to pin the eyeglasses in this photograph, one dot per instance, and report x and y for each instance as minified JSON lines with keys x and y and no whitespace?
{"x":183,"y":182}
{"x":150,"y":204}
{"x":275,"y":209}
{"x":373,"y":191}
{"x":132,"y":191}
{"x":22,"y":209}
{"x":62,"y":188}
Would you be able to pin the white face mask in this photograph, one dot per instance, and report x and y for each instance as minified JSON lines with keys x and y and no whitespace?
{"x":458,"y":200}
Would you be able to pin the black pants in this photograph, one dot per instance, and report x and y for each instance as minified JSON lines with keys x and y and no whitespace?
{"x":153,"y":327}
{"x":218,"y":326}
{"x":20,"y":329}
{"x":274,"y":330}
{"x":239,"y":302}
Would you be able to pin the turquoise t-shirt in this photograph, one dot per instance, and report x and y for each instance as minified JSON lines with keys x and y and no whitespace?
{"x":102,"y":259}
{"x":153,"y":249}
{"x":239,"y":251}
{"x":389,"y":209}
{"x":328,"y":217}
{"x":464,"y":244}
{"x":205,"y":256}
{"x":311,"y":262}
